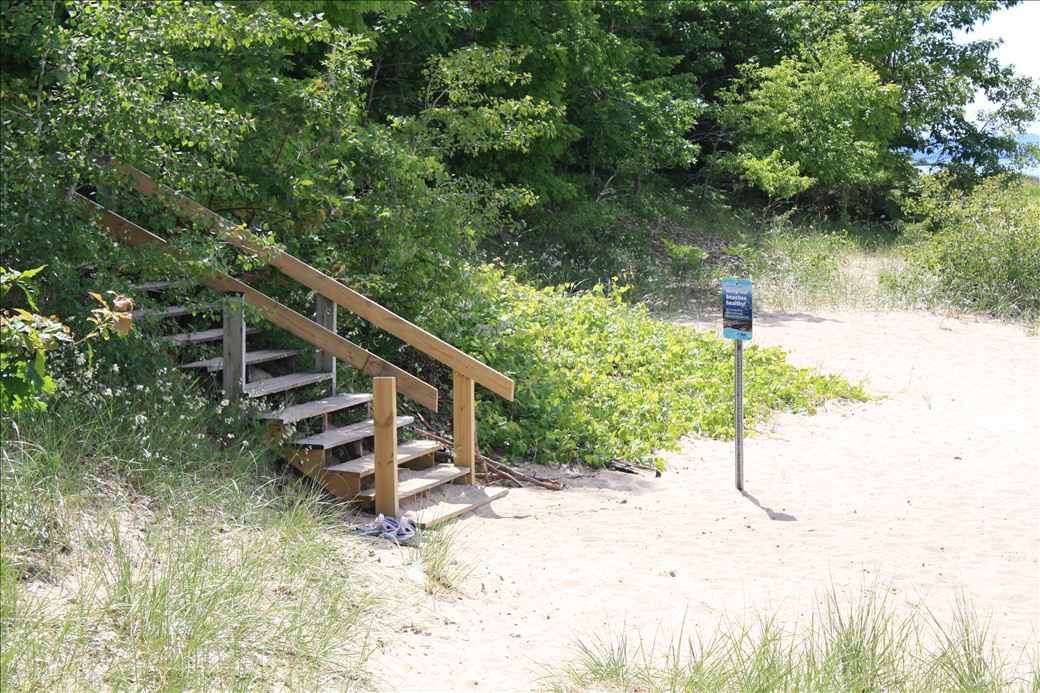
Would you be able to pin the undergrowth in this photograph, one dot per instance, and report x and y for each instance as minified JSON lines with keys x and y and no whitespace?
{"x":862,"y":643}
{"x":981,"y":250}
{"x":147,"y":544}
{"x":598,"y":379}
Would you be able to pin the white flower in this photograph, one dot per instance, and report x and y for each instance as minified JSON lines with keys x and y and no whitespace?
{"x":141,"y":419}
{"x":224,"y":403}
{"x":147,"y":454}
{"x":115,"y":367}
{"x":107,"y":392}
{"x":139,"y":387}
{"x":81,"y":359}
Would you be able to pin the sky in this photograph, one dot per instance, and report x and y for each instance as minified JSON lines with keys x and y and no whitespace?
{"x":1019,"y":27}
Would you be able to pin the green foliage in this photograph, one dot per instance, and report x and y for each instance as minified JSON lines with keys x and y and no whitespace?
{"x":598,"y":379}
{"x":388,"y":143}
{"x":821,"y":113}
{"x":920,"y":47}
{"x":25,"y":339}
{"x":982,"y":247}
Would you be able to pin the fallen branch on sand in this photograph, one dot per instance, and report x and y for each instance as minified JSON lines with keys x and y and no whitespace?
{"x":498,"y":469}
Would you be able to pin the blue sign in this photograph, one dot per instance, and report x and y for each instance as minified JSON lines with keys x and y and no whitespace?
{"x":736,"y":309}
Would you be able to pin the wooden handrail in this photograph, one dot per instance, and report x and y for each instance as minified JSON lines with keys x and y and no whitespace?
{"x":303,"y":327}
{"x":329,"y":287}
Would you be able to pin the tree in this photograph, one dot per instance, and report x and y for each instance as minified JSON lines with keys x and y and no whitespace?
{"x":820,"y":118}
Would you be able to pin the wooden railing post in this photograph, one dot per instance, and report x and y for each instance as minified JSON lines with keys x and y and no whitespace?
{"x":464,"y":422}
{"x":384,"y":394}
{"x":234,"y":365}
{"x":325,"y":315}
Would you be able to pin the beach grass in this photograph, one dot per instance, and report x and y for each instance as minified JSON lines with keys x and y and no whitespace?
{"x":862,"y":643}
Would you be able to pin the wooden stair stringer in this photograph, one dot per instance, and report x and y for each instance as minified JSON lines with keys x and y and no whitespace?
{"x":311,"y":463}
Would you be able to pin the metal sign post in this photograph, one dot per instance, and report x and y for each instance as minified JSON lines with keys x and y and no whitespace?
{"x":738,"y":410}
{"x":736,"y":325}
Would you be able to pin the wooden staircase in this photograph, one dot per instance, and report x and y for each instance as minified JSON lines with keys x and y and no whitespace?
{"x":346,"y":441}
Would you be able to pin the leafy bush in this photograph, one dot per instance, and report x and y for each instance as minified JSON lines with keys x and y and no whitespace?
{"x":598,"y":379}
{"x":26,"y":337}
{"x":982,"y":248}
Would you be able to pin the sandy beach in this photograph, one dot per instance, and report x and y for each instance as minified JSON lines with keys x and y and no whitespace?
{"x":930,"y":492}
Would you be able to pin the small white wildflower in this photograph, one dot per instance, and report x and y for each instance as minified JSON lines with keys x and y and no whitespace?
{"x":228,"y":420}
{"x":141,"y":419}
{"x":107,"y":392}
{"x":81,"y":360}
{"x":230,"y":436}
{"x":115,"y":367}
{"x":224,"y":403}
{"x":147,"y":455}
{"x":139,"y":387}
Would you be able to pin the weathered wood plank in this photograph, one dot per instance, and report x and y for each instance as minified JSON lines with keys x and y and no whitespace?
{"x":251,"y":358}
{"x":413,"y":483}
{"x":278,"y":314}
{"x":327,"y":286}
{"x":464,"y":424}
{"x":234,"y":349}
{"x":203,"y":336}
{"x":406,"y":452}
{"x":335,"y":437}
{"x":384,"y":393}
{"x":293,"y":381}
{"x":325,"y":315}
{"x":453,"y":501}
{"x":319,"y":407}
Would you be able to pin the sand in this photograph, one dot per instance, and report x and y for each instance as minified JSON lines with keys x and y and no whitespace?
{"x":930,"y":493}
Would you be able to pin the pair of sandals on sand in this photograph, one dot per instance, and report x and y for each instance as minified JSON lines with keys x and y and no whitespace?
{"x":399,"y":530}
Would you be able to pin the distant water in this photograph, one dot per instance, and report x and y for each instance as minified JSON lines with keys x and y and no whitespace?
{"x":923,"y":164}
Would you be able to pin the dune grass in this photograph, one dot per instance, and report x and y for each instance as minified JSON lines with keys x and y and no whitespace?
{"x":148,"y":543}
{"x":435,"y":550}
{"x":860,"y":644}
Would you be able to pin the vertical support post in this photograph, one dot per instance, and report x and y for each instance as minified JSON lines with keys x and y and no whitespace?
{"x":325,"y":315}
{"x":465,"y":425}
{"x":738,"y":410}
{"x":384,"y":395}
{"x":234,"y":365}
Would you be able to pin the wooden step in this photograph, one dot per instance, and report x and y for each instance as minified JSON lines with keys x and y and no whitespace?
{"x":411,"y":483}
{"x":453,"y":500}
{"x":175,"y":311}
{"x":216,"y":363}
{"x":318,"y":407}
{"x":406,"y":452}
{"x":270,"y":386}
{"x":151,"y":286}
{"x":347,"y":434}
{"x":214,"y":335}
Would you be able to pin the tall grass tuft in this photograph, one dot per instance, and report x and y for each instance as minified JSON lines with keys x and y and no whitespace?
{"x":852,"y":643}
{"x":436,"y":551}
{"x":148,"y":543}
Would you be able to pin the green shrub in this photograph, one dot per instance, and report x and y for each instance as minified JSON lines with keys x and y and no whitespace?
{"x":598,"y":379}
{"x":982,"y":248}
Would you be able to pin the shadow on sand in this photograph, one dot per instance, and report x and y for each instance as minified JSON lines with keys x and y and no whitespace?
{"x":773,"y":514}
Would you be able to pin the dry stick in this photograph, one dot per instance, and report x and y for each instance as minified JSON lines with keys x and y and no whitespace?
{"x":518,"y":476}
{"x":498,"y":468}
